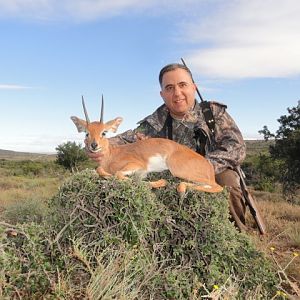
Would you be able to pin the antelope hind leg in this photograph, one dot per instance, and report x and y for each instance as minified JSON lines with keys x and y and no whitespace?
{"x":121,"y":176}
{"x":158,"y":184}
{"x":205,"y":187}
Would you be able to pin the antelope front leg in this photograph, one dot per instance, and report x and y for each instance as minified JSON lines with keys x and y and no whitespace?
{"x":102,"y":173}
{"x":153,"y":184}
{"x":128,"y":169}
{"x":121,"y":176}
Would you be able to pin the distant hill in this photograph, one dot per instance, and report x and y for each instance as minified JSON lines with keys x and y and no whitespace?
{"x":15,"y":155}
{"x":255,"y":147}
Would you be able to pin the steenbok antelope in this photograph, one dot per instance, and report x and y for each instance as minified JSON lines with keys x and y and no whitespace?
{"x":147,"y":155}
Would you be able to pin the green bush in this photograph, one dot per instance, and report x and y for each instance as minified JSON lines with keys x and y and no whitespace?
{"x":111,"y":239}
{"x":190,"y":237}
{"x":287,"y":148}
{"x":263,"y":172}
{"x":70,"y":155}
{"x":27,"y":270}
{"x":266,"y":184}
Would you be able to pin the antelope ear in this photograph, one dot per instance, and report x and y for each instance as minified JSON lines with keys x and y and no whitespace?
{"x":80,"y":124}
{"x":113,"y":124}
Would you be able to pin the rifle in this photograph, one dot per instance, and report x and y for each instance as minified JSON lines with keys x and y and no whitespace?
{"x":248,"y":198}
{"x":206,"y":110}
{"x":251,"y":202}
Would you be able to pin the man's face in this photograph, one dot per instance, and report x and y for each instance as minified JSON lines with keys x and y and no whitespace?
{"x":178,"y":92}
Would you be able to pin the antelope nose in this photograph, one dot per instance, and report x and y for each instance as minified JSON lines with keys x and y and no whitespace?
{"x":94,"y":145}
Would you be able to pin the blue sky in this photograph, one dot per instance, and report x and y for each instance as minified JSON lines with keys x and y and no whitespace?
{"x":245,"y":54}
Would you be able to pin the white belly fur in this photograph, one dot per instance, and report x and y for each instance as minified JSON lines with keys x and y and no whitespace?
{"x":157,"y":163}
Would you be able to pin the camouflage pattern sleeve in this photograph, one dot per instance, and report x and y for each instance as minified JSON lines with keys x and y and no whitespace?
{"x":144,"y":130}
{"x":123,"y":138}
{"x":229,"y":148}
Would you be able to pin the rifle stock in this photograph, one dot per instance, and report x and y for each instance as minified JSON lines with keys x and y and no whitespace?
{"x":251,"y":202}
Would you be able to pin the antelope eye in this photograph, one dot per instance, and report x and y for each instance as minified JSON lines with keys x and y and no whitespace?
{"x":87,"y":135}
{"x":104,"y":133}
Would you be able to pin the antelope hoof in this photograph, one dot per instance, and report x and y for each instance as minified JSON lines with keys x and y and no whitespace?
{"x":181,"y":189}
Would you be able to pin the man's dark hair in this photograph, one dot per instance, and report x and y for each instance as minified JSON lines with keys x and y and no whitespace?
{"x":172,"y":67}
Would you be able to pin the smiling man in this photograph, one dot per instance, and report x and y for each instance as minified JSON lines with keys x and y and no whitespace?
{"x":181,"y":119}
{"x":177,"y":90}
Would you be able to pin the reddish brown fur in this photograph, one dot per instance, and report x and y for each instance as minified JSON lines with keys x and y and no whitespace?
{"x":180,"y":160}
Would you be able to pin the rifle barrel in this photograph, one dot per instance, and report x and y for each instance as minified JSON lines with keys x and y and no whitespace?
{"x":197,"y":90}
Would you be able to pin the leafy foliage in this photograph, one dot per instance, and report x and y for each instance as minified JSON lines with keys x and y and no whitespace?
{"x":70,"y":155}
{"x":111,"y":239}
{"x":190,"y":239}
{"x":266,"y":132}
{"x":263,"y":172}
{"x":287,"y":148}
{"x":27,"y":270}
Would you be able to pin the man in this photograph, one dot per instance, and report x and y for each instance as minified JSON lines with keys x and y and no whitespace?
{"x":181,"y":119}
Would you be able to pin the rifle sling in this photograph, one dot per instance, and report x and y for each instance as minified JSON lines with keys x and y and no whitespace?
{"x":169,"y":127}
{"x":200,"y":136}
{"x":208,"y":116}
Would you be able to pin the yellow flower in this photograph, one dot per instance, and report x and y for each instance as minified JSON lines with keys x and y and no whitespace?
{"x":216,"y":287}
{"x":272,"y":249}
{"x":280,"y":293}
{"x":296,"y":254}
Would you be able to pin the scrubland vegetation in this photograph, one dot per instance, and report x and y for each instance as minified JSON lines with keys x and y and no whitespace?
{"x":73,"y":236}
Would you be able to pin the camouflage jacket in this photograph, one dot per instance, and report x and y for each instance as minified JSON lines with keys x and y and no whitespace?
{"x":224,"y":149}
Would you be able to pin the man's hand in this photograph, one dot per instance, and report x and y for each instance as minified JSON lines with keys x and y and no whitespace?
{"x":141,"y":136}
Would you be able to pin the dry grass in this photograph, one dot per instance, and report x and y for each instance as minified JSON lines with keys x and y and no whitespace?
{"x":282,"y":241}
{"x":267,"y":196}
{"x":14,"y":189}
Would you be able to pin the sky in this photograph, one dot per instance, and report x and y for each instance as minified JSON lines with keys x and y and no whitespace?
{"x":245,"y":54}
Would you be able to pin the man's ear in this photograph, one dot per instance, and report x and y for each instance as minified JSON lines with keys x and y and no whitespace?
{"x":113,"y":124}
{"x":162,"y":96}
{"x":80,"y":124}
{"x":195,"y":86}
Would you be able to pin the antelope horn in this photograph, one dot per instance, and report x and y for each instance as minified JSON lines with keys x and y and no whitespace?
{"x":102,"y":106}
{"x":85,"y":111}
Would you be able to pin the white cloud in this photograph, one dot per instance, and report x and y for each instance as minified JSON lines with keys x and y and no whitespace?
{"x":13,"y":87}
{"x":90,"y":9}
{"x":237,"y":38}
{"x":38,"y":143}
{"x":81,"y":10}
{"x":247,"y":39}
{"x":36,"y":9}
